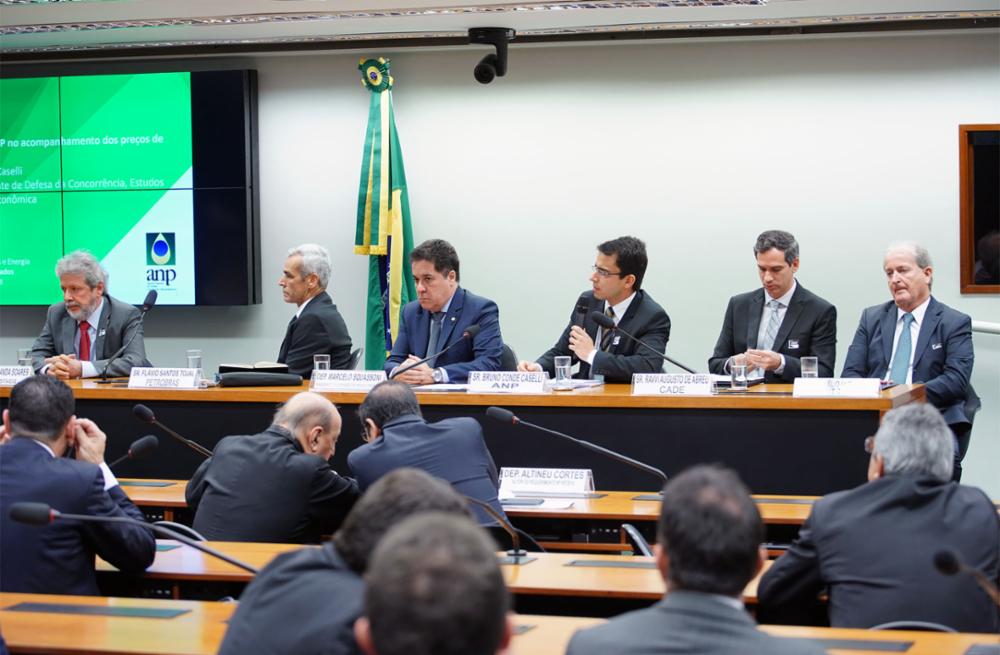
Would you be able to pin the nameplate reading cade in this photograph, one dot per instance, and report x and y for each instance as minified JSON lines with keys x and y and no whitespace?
{"x":11,"y":375}
{"x":164,"y":378}
{"x":345,"y":380}
{"x":506,"y":382}
{"x":836,"y":388}
{"x":671,"y":384}
{"x":539,"y":482}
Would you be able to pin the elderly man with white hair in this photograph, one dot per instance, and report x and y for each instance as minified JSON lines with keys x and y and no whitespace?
{"x":873,"y":547}
{"x":88,"y":327}
{"x":317,"y":327}
{"x":914,"y":338}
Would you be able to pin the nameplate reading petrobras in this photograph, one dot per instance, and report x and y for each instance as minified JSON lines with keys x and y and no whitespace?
{"x":11,"y":375}
{"x":672,"y":384}
{"x":836,"y":387}
{"x":164,"y":378}
{"x":521,"y":481}
{"x":506,"y":382}
{"x":345,"y":380}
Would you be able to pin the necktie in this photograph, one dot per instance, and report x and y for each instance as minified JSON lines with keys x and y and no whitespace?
{"x":432,"y":342}
{"x":773,"y":323}
{"x":84,"y":341}
{"x":606,"y":337}
{"x":901,"y":361}
{"x":286,"y":343}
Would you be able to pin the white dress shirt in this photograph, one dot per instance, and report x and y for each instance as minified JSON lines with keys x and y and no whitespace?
{"x":619,"y":310}
{"x":765,"y":317}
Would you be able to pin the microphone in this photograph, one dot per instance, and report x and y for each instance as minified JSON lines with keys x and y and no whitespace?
{"x":42,"y":514}
{"x":516,"y":555}
{"x":139,"y":449}
{"x":507,"y":416}
{"x":580,"y":313}
{"x":608,"y":323}
{"x":146,"y":415}
{"x":147,"y":305}
{"x":947,"y":562}
{"x":469,"y":333}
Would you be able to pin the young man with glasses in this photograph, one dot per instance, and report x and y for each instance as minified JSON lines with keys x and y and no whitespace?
{"x":616,"y":292}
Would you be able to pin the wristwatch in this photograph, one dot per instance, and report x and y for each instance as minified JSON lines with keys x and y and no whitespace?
{"x":438,"y":375}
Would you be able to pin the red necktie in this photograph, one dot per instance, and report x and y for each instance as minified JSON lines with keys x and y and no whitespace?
{"x":84,"y":341}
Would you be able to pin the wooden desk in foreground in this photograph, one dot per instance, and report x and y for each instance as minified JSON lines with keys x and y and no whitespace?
{"x":778,"y":444}
{"x":200,"y":628}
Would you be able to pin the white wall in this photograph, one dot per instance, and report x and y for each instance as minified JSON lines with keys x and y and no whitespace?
{"x":695,"y":147}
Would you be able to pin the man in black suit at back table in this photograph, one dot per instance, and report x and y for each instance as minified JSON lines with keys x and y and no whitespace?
{"x":771,"y":328}
{"x":275,"y":486}
{"x":708,"y":549}
{"x":617,"y":283}
{"x":872,"y":547}
{"x":317,"y":327}
{"x":39,"y":428}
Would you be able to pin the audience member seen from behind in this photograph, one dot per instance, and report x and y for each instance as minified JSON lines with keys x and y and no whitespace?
{"x":708,"y":549}
{"x":434,"y":588}
{"x":278,"y":612}
{"x":872,"y":547}
{"x":275,"y":486}
{"x":55,"y":458}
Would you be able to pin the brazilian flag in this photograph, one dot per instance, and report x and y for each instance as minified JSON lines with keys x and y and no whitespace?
{"x":383,"y":233}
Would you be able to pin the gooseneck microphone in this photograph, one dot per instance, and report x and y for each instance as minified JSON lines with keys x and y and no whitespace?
{"x":608,"y":323}
{"x":469,"y":333}
{"x":146,"y":415}
{"x":507,"y":416}
{"x":947,"y":562}
{"x":139,"y":449}
{"x":516,"y":554}
{"x":147,"y":305}
{"x":42,"y":514}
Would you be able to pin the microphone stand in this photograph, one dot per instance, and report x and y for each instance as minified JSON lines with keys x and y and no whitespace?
{"x":516,"y":555}
{"x":104,"y":374}
{"x":604,"y":321}
{"x":403,"y":369}
{"x":187,"y":442}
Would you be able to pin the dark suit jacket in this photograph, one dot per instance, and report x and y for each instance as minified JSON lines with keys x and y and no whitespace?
{"x":480,"y":354}
{"x":873,"y":547}
{"x":685,"y":623}
{"x":452,"y":449}
{"x":262,"y":487}
{"x":319,"y":330}
{"x":304,"y":602}
{"x":59,"y":558}
{"x":942,"y":360}
{"x":809,"y":329}
{"x":644,"y":319}
{"x":119,"y":320}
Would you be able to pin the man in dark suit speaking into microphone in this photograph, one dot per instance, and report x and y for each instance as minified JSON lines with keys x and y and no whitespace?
{"x":617,"y":293}
{"x":444,"y":319}
{"x":82,"y":333}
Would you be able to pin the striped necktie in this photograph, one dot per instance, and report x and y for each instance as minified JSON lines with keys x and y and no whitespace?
{"x":606,"y":337}
{"x":773,"y":323}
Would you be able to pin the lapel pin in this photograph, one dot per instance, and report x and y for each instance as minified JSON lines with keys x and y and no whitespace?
{"x":101,"y":333}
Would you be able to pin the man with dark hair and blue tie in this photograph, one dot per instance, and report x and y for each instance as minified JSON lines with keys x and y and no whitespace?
{"x":914,"y":338}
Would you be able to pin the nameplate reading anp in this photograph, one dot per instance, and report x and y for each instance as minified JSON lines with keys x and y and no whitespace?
{"x":836,"y":388}
{"x":164,"y":378}
{"x":672,"y":384}
{"x":539,"y":482}
{"x":506,"y":382}
{"x":345,"y":380}
{"x":11,"y":375}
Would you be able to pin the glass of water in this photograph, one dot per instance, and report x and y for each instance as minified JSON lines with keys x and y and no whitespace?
{"x":810,"y":367}
{"x":564,"y":375}
{"x":24,"y":356}
{"x":738,"y":377}
{"x":321,"y":362}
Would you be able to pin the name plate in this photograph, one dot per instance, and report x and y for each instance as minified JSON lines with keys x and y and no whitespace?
{"x":836,"y":387}
{"x":345,"y":380}
{"x":506,"y":382}
{"x":671,"y":384}
{"x":515,"y":481}
{"x":11,"y":375}
{"x":164,"y":378}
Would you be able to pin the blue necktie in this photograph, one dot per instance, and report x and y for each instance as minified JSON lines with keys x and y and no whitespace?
{"x":432,"y":342}
{"x":901,"y":362}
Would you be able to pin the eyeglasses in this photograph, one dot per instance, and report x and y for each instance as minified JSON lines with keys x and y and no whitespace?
{"x":869,"y":445}
{"x":604,"y":272}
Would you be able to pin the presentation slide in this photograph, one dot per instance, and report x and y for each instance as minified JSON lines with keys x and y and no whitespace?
{"x":102,"y":163}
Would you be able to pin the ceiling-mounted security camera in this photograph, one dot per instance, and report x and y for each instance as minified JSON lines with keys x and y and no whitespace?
{"x":492,"y":65}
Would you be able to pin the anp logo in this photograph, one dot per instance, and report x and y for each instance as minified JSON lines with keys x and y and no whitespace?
{"x":160,"y":249}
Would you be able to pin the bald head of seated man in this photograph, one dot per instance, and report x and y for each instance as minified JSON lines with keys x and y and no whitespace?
{"x":277,"y":485}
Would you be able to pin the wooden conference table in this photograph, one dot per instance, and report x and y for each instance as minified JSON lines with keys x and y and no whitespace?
{"x":199,"y":629}
{"x":778,"y":444}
